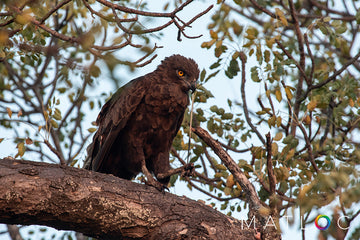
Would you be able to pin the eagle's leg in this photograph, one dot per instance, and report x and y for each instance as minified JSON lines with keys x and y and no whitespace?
{"x":150,"y":180}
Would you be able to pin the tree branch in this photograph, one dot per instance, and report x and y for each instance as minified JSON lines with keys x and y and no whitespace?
{"x":256,"y":207}
{"x":246,"y":112}
{"x":104,"y":206}
{"x":14,"y":232}
{"x":270,"y":170}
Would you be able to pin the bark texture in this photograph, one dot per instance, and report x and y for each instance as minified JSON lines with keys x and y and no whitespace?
{"x":104,"y":206}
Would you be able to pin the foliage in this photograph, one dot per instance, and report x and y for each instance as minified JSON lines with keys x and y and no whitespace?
{"x":304,"y":60}
{"x":51,"y":55}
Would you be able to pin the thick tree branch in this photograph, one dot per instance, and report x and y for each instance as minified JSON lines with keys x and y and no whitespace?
{"x":104,"y":206}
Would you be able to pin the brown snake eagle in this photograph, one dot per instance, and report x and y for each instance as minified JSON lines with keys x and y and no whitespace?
{"x":136,"y":127}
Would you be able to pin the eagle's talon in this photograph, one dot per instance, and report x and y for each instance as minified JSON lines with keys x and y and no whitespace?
{"x":156,"y":184}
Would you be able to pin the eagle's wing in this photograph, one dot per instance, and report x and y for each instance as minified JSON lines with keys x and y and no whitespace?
{"x":112,"y":119}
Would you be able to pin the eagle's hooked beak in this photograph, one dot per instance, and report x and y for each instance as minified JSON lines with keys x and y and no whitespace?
{"x":193,"y":86}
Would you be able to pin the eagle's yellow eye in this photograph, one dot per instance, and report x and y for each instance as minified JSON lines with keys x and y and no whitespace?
{"x":180,"y":73}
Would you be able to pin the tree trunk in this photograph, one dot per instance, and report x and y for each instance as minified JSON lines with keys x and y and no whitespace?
{"x":104,"y":206}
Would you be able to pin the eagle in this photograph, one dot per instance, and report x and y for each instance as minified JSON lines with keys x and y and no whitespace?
{"x":137,"y":125}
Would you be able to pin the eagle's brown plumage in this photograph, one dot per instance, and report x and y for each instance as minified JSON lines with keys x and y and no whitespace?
{"x":138,"y":124}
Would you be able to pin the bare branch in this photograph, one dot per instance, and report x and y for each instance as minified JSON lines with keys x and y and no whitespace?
{"x":243,"y":96}
{"x":57,"y":7}
{"x":14,"y":232}
{"x":270,"y":170}
{"x":256,"y":207}
{"x":57,"y":153}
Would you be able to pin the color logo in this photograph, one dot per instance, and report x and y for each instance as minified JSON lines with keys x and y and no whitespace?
{"x":327,"y":222}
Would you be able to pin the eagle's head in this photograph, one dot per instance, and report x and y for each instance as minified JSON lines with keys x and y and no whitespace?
{"x":183,"y":70}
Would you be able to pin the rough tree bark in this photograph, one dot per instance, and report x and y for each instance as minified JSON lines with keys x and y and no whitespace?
{"x":105,"y":206}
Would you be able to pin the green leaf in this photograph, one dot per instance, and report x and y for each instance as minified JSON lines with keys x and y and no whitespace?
{"x":281,"y":16}
{"x":227,"y":191}
{"x":223,"y":206}
{"x":91,"y":130}
{"x":214,"y":108}
{"x":62,"y":90}
{"x":57,"y":114}
{"x":95,"y":71}
{"x":251,"y":33}
{"x":54,"y":123}
{"x":202,"y":75}
{"x":288,"y":139}
{"x":323,"y":29}
{"x":91,"y":104}
{"x":220,"y":167}
{"x":312,"y":105}
{"x":288,"y":92}
{"x":237,"y":28}
{"x":262,"y":112}
{"x":213,"y":34}
{"x":267,"y":56}
{"x":278,"y":95}
{"x":226,"y":116}
{"x":254,"y":74}
{"x":357,"y":17}
{"x":21,"y":149}
{"x":278,"y":136}
{"x":327,"y":19}
{"x":214,"y":65}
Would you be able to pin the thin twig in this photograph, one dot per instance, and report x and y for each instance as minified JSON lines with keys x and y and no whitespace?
{"x":332,"y":77}
{"x":228,"y":147}
{"x":207,"y":193}
{"x":309,"y":80}
{"x":62,"y":160}
{"x":57,"y":7}
{"x":243,"y":96}
{"x":190,"y":125}
{"x":302,"y":76}
{"x":270,"y":170}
